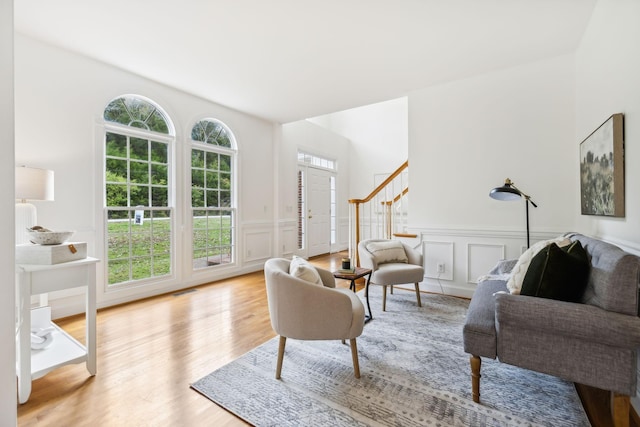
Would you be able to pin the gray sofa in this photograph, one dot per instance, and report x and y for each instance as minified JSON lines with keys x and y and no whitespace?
{"x":593,"y":342}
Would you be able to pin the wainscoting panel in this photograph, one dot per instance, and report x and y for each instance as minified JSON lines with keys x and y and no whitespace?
{"x":258,"y":245}
{"x":289,"y":241}
{"x":438,"y":253}
{"x":342,"y":238}
{"x":481,"y":257}
{"x":475,"y":252}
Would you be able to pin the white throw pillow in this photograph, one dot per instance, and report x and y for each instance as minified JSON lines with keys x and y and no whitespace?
{"x":302,"y":269}
{"x":514,"y":284}
{"x":387,"y":251}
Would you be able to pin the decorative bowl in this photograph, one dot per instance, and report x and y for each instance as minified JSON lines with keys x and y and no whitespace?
{"x":49,"y":237}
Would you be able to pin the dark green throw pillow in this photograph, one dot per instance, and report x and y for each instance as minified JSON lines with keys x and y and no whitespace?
{"x":558,"y":273}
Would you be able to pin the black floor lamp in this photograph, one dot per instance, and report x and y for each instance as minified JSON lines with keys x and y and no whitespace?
{"x":510,"y":192}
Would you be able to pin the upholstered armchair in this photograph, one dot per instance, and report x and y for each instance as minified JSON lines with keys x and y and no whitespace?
{"x":392,"y":262}
{"x":304,"y":310}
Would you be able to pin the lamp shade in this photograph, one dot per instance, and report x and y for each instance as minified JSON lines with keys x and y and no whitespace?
{"x":34,"y":183}
{"x":506,"y":192}
{"x":510,"y":192}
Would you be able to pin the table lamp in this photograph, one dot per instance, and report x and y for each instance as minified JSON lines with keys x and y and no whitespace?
{"x":31,"y":184}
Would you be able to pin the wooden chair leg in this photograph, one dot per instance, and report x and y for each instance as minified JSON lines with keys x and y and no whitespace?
{"x":283,"y":341}
{"x":354,"y":356}
{"x":475,"y":377}
{"x":384,"y":297}
{"x":391,"y":290}
{"x":620,"y":409}
{"x":418,"y":294}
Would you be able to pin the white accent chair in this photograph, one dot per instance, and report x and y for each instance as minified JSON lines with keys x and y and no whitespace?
{"x":392,"y":262}
{"x":306,"y":311}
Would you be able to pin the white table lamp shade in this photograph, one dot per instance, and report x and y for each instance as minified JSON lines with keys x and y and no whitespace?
{"x":31,"y":184}
{"x":34,"y":184}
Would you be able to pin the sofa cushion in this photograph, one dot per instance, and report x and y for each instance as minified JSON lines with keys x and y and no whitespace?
{"x":514,"y":284}
{"x":387,"y":251}
{"x":302,"y":269}
{"x":558,"y":273}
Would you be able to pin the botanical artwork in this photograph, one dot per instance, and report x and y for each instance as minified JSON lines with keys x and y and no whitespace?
{"x":602,"y":170}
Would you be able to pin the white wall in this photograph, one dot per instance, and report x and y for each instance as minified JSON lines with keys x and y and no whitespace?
{"x":607,"y":70}
{"x":8,"y":402}
{"x":311,"y":138}
{"x":60,"y":99}
{"x":379,"y":140}
{"x":465,"y":138}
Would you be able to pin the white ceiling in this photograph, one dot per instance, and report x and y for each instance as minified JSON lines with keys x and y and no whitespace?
{"x":285,"y":60}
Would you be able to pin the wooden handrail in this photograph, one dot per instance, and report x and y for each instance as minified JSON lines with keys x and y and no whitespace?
{"x":395,"y":199}
{"x":377,"y":190}
{"x":409,"y":235}
{"x":381,"y":186}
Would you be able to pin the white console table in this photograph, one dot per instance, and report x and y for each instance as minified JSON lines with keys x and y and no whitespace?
{"x":38,"y":279}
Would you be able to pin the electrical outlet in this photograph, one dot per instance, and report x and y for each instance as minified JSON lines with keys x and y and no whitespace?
{"x":440,"y":267}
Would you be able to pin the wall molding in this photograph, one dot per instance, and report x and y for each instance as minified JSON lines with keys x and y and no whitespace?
{"x":256,"y":224}
{"x":486,"y":233}
{"x":627,"y":245}
{"x":475,"y":250}
{"x":288,"y":222}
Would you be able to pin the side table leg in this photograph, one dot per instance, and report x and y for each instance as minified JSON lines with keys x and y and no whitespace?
{"x":90,"y":332}
{"x":366,"y":297}
{"x":24,"y":388}
{"x":23,"y":346}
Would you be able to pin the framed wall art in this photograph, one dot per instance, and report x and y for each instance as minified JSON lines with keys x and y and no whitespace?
{"x":602,"y":169}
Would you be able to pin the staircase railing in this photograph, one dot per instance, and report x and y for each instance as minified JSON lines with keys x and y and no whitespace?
{"x":383,"y":213}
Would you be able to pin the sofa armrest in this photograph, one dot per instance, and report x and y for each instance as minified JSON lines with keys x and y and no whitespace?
{"x":576,"y":320}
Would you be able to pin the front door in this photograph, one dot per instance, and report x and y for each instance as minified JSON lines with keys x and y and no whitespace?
{"x":318,"y":212}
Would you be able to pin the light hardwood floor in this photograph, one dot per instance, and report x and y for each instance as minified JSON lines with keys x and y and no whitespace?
{"x":149,"y":351}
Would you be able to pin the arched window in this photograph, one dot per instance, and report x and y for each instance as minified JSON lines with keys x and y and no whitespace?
{"x":212,"y":132}
{"x":138,"y":190}
{"x":213,"y":204}
{"x":137,"y":112}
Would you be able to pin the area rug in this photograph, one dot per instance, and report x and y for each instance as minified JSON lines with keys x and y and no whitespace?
{"x":414,"y":372}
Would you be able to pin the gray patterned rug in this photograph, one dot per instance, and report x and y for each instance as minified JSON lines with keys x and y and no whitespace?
{"x":413,"y":373}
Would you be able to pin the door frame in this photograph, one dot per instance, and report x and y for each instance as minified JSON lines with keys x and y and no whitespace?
{"x":303,"y":215}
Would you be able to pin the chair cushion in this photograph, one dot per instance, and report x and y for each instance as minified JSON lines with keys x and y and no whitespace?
{"x":514,"y":284}
{"x":302,"y":269}
{"x":397,"y":274}
{"x":387,"y":251}
{"x":558,"y":273}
